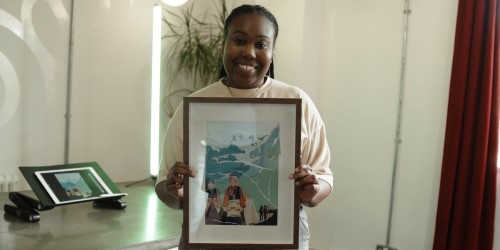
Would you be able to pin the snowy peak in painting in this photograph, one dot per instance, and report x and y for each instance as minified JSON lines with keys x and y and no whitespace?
{"x":238,"y":147}
{"x":241,"y":140}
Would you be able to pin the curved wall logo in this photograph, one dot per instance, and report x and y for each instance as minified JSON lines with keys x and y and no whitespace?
{"x":24,"y":30}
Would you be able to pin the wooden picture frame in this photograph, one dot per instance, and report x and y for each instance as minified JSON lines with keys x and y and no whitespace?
{"x":243,"y":150}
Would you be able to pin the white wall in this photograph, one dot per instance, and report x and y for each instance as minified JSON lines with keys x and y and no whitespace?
{"x":345,"y":54}
{"x":365,"y":84}
{"x":111,"y":86}
{"x":349,"y":61}
{"x":33,"y":74}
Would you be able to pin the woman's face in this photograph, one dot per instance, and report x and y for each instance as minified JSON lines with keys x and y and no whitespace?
{"x":248,"y":50}
{"x":232,"y":182}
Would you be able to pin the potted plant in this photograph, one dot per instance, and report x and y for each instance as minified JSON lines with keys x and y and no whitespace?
{"x":195,"y":52}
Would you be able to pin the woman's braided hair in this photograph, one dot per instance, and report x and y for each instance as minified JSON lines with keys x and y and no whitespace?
{"x":247,"y":9}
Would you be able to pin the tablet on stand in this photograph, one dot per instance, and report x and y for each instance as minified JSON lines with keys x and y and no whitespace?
{"x":64,"y":184}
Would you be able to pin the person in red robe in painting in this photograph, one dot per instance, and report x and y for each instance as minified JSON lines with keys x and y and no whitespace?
{"x":234,"y":202}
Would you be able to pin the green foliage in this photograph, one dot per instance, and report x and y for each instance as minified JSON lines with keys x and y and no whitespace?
{"x":195,"y":49}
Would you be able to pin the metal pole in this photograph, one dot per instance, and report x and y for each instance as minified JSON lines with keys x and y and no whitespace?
{"x":67,"y":116}
{"x":397,"y":143}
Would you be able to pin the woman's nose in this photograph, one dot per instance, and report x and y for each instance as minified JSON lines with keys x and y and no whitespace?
{"x":248,"y":51}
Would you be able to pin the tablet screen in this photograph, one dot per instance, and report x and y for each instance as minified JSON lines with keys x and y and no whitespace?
{"x":74,"y":185}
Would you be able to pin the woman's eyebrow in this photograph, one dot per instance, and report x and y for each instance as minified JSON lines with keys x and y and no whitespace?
{"x":239,"y":32}
{"x":263,"y":36}
{"x":246,"y":34}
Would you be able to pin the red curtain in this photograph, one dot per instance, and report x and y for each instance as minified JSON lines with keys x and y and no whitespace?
{"x":466,"y":206}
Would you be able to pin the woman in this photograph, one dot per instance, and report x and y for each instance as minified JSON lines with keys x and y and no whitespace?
{"x":250,"y":32}
{"x":234,"y":202}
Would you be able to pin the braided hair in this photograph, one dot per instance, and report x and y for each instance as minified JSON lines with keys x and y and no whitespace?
{"x":247,"y":9}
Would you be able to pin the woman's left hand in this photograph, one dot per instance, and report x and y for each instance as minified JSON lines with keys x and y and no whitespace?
{"x":306,"y":181}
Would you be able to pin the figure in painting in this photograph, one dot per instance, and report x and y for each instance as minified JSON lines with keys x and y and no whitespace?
{"x":261,"y":213}
{"x":212,"y":209}
{"x":265,"y":210}
{"x":234,"y":202}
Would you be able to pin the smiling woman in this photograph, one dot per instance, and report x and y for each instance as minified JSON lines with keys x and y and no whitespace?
{"x":249,"y":35}
{"x":248,"y":52}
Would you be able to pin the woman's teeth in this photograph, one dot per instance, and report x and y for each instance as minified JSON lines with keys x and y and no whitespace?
{"x":246,"y":67}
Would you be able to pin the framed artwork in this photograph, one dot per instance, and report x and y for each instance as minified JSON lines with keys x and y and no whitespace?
{"x":243,"y":150}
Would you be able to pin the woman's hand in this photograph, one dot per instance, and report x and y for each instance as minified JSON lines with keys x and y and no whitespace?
{"x":312,"y":190}
{"x":306,"y":181}
{"x":170,"y":191}
{"x":175,"y":178}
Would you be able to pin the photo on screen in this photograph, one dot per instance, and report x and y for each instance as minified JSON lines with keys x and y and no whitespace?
{"x":73,"y":185}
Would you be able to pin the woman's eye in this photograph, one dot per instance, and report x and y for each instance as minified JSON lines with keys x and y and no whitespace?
{"x":262,"y":45}
{"x":239,"y":41}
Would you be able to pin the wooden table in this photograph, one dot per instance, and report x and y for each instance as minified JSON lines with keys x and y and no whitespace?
{"x":146,"y":223}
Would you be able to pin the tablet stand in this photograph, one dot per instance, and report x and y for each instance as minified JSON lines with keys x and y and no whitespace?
{"x":26,"y":208}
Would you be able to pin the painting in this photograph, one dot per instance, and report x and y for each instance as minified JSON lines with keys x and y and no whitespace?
{"x":243,"y":150}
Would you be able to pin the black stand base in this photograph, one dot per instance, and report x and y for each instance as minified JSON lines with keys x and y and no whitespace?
{"x":24,"y":214}
{"x":26,"y":207}
{"x":110,"y":203}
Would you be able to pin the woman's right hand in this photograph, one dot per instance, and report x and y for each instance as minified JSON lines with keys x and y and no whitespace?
{"x":175,"y":178}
